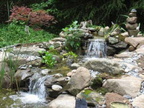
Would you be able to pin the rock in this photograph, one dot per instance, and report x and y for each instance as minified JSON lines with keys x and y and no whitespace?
{"x":91,"y":97}
{"x":36,"y":62}
{"x":120,"y":45}
{"x":56,"y":87}
{"x":131,"y":26}
{"x":59,"y":39}
{"x":125,"y":34}
{"x":101,"y":32}
{"x":132,"y":20}
{"x":62,"y":81}
{"x":132,"y":14}
{"x":114,"y":97}
{"x":28,"y":50}
{"x":131,"y":48}
{"x":110,"y":51}
{"x":127,"y":85}
{"x":52,"y":93}
{"x":3,"y":55}
{"x":114,"y":33}
{"x":134,"y":41}
{"x":139,"y":35}
{"x":140,"y":50}
{"x":124,"y":55}
{"x":56,"y":45}
{"x":113,"y":40}
{"x":58,"y":75}
{"x":75,"y":65}
{"x":62,"y":34}
{"x":79,"y":80}
{"x":104,"y":65}
{"x":45,"y":71}
{"x":63,"y":101}
{"x":22,"y":74}
{"x":133,"y":32}
{"x":138,"y":102}
{"x":141,"y":44}
{"x":71,"y":73}
{"x":49,"y":82}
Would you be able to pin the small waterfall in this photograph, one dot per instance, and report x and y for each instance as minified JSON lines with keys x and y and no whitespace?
{"x":37,"y":86}
{"x":96,"y":48}
{"x":37,"y":92}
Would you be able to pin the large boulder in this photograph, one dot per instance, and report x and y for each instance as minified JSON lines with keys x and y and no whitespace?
{"x":104,"y":66}
{"x":91,"y":97}
{"x":79,"y":80}
{"x":138,"y":102}
{"x":114,"y":97}
{"x":63,"y":101}
{"x":134,"y":41}
{"x":127,"y":85}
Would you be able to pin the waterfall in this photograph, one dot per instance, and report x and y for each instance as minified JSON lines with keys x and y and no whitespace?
{"x":96,"y":48}
{"x":37,"y":86}
{"x":37,"y":91}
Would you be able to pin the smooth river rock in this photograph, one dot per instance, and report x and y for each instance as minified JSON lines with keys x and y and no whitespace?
{"x":63,"y":101}
{"x":127,"y":85}
{"x":104,"y":65}
{"x":79,"y":80}
{"x":138,"y":102}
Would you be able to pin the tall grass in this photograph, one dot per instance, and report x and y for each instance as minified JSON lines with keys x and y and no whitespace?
{"x":8,"y":68}
{"x":2,"y":73}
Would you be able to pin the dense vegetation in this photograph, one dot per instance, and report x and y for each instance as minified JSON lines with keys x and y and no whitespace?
{"x":101,"y":12}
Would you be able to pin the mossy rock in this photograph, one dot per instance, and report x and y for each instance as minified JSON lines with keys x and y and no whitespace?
{"x":91,"y":96}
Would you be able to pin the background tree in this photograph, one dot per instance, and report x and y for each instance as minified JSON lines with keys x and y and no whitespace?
{"x":101,"y":12}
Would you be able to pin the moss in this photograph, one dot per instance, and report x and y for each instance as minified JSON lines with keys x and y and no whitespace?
{"x":87,"y":92}
{"x":98,"y":99}
{"x":61,"y":69}
{"x":102,"y":90}
{"x":97,"y":82}
{"x":5,"y":101}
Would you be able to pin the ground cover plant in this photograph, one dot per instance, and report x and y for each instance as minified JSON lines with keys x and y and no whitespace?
{"x":13,"y":33}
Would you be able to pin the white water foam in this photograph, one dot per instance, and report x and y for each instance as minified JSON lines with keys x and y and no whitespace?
{"x":97,"y":48}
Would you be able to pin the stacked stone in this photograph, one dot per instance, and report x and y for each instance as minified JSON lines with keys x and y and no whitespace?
{"x":131,"y":24}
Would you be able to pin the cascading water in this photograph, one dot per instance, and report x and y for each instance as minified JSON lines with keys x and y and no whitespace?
{"x":37,"y":87}
{"x":96,"y":48}
{"x":37,"y":92}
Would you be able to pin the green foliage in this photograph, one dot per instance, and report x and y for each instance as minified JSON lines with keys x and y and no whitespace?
{"x":71,"y":27}
{"x":14,"y":33}
{"x":70,"y":55}
{"x":49,"y":59}
{"x":13,"y":65}
{"x":2,"y":73}
{"x":73,"y":42}
{"x":97,"y":82}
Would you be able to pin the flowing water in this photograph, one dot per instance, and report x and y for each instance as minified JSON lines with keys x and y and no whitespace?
{"x":97,"y":48}
{"x":35,"y":98}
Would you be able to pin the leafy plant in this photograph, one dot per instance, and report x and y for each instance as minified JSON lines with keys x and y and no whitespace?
{"x":49,"y":59}
{"x":70,"y":55}
{"x":73,"y":42}
{"x":71,"y":27}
